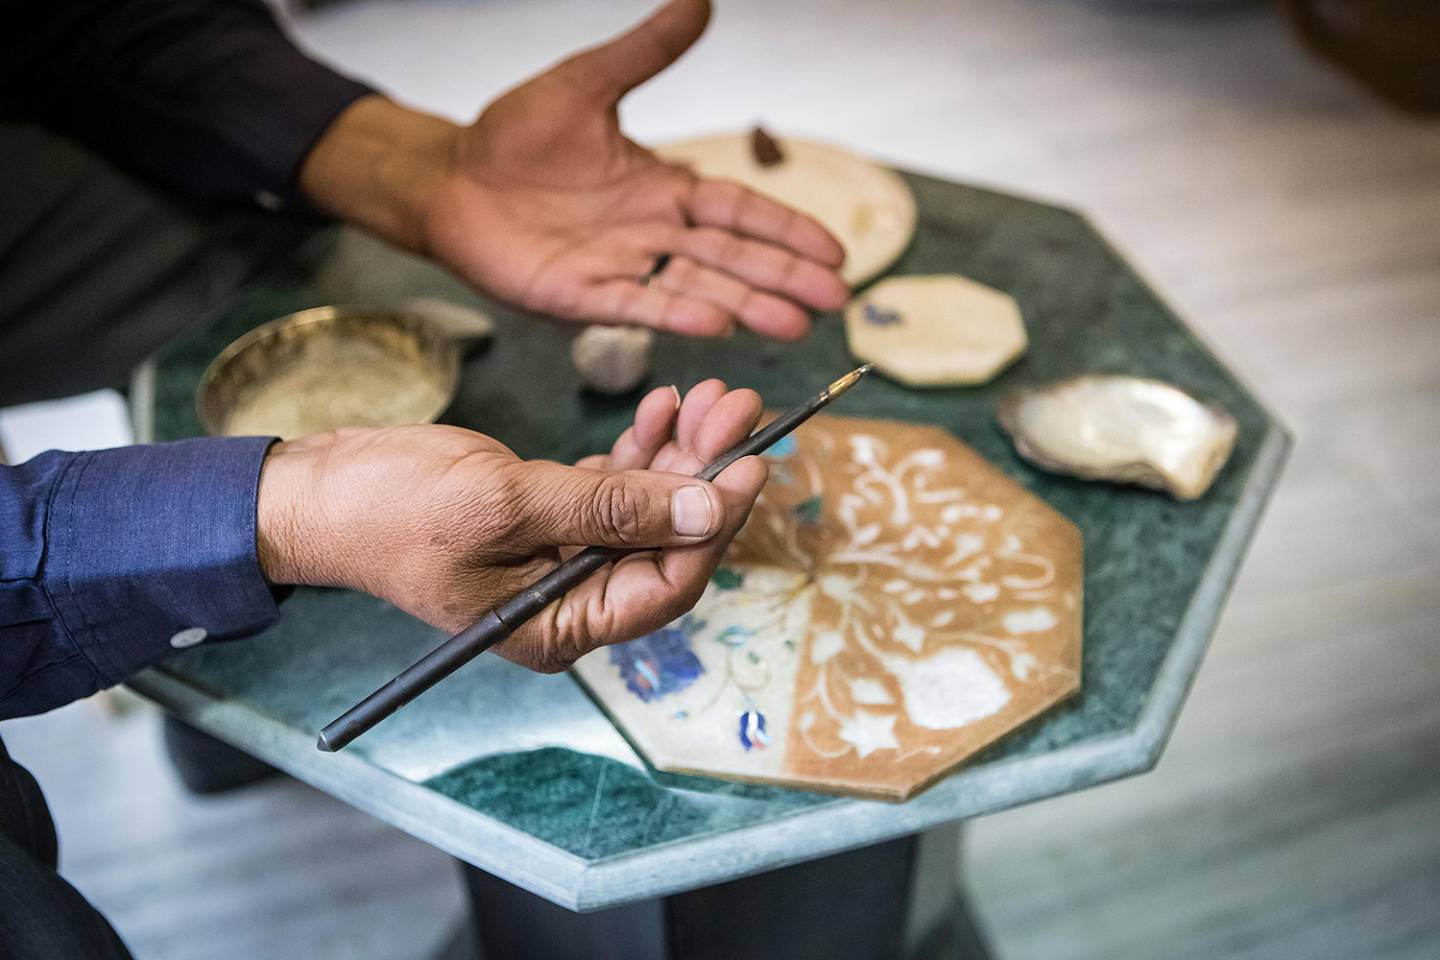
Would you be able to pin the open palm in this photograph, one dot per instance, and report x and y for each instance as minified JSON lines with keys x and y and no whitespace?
{"x":550,"y":206}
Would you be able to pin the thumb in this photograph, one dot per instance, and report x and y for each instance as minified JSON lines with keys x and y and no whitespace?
{"x":568,"y":506}
{"x":611,"y":70}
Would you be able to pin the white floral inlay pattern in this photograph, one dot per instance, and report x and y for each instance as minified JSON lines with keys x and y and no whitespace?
{"x":894,"y":604}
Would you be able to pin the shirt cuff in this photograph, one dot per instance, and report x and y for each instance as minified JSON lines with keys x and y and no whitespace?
{"x":312,"y":96}
{"x":152,"y":548}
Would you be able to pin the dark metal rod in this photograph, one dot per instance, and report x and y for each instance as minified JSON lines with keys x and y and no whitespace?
{"x":499,"y":623}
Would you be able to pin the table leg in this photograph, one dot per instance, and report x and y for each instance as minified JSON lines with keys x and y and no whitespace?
{"x":896,"y":899}
{"x":207,"y":765}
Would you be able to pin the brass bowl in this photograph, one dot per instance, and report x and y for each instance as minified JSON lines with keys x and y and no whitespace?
{"x":330,"y":367}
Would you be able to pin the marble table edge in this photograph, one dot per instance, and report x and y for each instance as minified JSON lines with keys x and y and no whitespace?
{"x":428,"y":815}
{"x":1182,"y":661}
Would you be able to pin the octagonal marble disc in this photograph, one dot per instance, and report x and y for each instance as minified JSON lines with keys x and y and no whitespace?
{"x":935,"y":331}
{"x":868,"y":208}
{"x":894,"y":605}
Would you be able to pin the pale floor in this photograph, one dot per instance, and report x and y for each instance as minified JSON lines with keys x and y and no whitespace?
{"x":1294,"y":221}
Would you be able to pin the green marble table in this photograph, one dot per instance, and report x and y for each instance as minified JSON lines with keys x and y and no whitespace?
{"x":522,"y":776}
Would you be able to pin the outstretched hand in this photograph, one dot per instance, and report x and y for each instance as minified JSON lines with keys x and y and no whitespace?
{"x":446,"y":523}
{"x":544,"y":202}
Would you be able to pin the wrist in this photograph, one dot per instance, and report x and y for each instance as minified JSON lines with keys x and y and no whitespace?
{"x":284,"y":514}
{"x":378,"y":165}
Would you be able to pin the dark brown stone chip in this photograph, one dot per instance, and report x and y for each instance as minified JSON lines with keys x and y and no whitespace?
{"x":767,"y":152}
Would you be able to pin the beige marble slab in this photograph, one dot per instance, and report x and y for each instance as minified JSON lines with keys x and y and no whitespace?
{"x":894,"y":605}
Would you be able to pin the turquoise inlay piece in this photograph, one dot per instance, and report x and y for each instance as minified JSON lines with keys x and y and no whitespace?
{"x":496,"y":740}
{"x":735,"y":636}
{"x":782,"y":448}
{"x":728,"y":578}
{"x":807,"y":511}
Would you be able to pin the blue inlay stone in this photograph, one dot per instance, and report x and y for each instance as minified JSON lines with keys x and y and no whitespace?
{"x":752,"y":730}
{"x":878,"y":317}
{"x":659,"y":663}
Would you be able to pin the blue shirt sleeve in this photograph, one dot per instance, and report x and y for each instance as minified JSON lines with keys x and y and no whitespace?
{"x":111,"y":559}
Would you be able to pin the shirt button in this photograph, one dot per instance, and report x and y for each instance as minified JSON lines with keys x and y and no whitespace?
{"x":268,"y":200}
{"x":188,"y":637}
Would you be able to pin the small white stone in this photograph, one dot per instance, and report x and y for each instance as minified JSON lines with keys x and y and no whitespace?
{"x":188,"y":637}
{"x":613,"y":360}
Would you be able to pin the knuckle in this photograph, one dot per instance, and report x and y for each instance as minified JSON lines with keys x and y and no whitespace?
{"x":562,"y":641}
{"x":680,"y":271}
{"x":730,"y":250}
{"x":537,"y":647}
{"x":617,"y":512}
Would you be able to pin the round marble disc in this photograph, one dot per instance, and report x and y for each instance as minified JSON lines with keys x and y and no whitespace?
{"x":935,"y":331}
{"x":868,"y":208}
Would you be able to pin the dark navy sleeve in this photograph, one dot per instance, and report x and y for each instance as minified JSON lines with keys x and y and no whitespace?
{"x":111,"y":559}
{"x":205,"y":96}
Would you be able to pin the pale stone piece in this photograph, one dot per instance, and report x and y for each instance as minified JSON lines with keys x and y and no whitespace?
{"x":1125,"y":429}
{"x":613,"y":360}
{"x":894,"y":605}
{"x":866,"y":206}
{"x":935,"y":331}
{"x":459,"y":322}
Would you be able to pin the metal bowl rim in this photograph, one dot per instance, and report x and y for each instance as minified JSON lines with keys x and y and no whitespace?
{"x":312,"y":316}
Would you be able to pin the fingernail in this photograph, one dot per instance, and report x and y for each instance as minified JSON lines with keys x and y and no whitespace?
{"x":676,"y":391}
{"x":690,"y":512}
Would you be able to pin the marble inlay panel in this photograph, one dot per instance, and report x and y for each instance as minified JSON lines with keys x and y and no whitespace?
{"x":894,"y":605}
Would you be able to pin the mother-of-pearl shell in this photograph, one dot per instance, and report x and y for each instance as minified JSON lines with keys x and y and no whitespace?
{"x":1126,"y":429}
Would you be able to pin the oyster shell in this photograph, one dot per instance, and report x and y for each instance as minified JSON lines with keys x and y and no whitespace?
{"x":1126,"y":429}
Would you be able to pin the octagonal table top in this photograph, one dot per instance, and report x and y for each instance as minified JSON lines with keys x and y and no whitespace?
{"x":523,"y":776}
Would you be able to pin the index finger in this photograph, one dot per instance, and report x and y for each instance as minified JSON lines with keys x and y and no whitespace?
{"x":730,"y":206}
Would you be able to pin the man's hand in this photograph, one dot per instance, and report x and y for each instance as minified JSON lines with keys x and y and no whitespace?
{"x":545,"y":203}
{"x":446,"y":523}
